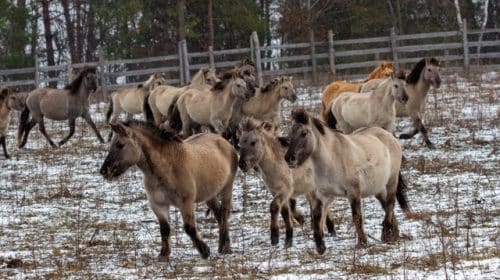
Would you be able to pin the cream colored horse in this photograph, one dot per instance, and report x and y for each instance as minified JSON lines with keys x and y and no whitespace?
{"x":362,"y":164}
{"x":131,"y":99}
{"x":5,"y":108}
{"x":215,"y":107}
{"x":177,"y":173}
{"x":260,"y":147}
{"x":352,"y":110}
{"x":158,"y":103}
{"x":423,"y":75}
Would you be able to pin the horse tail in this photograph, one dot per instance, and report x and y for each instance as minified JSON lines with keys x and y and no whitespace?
{"x":148,"y":113}
{"x":110,"y":109}
{"x":331,"y":121}
{"x":401,"y":195}
{"x":23,"y":124}
{"x":174,"y":115}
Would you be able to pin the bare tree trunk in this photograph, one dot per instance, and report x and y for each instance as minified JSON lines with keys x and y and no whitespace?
{"x":400,"y":20}
{"x":79,"y":31}
{"x":210,"y":24}
{"x":459,"y":15}
{"x":70,"y":29}
{"x":91,"y":39}
{"x":393,"y":15}
{"x":48,"y":37}
{"x":483,"y":26}
{"x":181,"y":13}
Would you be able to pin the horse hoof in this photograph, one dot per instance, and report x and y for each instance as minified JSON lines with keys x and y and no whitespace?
{"x":204,"y":251}
{"x":288,"y":243}
{"x":321,"y":248}
{"x":225,"y":250}
{"x":404,"y":136}
{"x":163,"y":258}
{"x":300,"y":219}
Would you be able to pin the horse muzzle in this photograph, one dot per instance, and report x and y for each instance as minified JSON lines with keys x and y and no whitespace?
{"x":243,"y":165}
{"x":436,"y":83}
{"x":291,"y":160}
{"x":293,"y":98}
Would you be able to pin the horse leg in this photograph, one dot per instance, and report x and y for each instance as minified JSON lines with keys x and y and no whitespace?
{"x":41,"y":127}
{"x":297,"y":215}
{"x":163,"y":219}
{"x":278,"y":202}
{"x":390,"y":231}
{"x":330,"y":225}
{"x":418,"y":126}
{"x":316,"y":215}
{"x":187,"y":211}
{"x":222,"y":210}
{"x":285,"y":214}
{"x":4,"y":146}
{"x":357,"y":217}
{"x":89,"y":120}
{"x":71,"y":123}
{"x":27,"y":130}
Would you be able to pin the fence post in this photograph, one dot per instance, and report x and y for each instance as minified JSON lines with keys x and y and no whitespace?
{"x":37,"y":69}
{"x":466,"y":46}
{"x":181,"y":64}
{"x":102,"y":74}
{"x":69,"y":70}
{"x":187,"y":75}
{"x":331,"y":54}
{"x":394,"y":46}
{"x":313,"y":56}
{"x":258,"y":64}
{"x":445,"y":58}
{"x":211,"y":59}
{"x":252,"y":49}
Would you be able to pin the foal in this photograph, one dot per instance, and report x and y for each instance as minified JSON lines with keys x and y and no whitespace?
{"x":179,"y":173}
{"x":260,"y":147}
{"x":364,"y":163}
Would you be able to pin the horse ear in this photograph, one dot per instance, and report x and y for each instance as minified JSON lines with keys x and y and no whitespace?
{"x":119,"y":129}
{"x":284,"y":141}
{"x":290,"y":78}
{"x":205,"y":70}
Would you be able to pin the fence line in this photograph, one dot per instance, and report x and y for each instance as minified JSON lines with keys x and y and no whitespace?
{"x":339,"y":59}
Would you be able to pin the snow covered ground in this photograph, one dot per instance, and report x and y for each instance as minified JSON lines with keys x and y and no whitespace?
{"x":60,"y":219}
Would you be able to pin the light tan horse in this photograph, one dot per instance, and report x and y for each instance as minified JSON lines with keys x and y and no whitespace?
{"x":265,"y":105}
{"x":352,"y":110}
{"x":334,"y":89}
{"x":423,"y":75}
{"x":213,"y":108}
{"x":362,"y":164}
{"x":158,"y":103}
{"x":5,"y":107}
{"x":177,"y":173}
{"x":59,"y":104}
{"x":260,"y":147}
{"x":131,"y":99}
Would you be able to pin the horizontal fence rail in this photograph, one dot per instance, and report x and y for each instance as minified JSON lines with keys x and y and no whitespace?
{"x":333,"y":59}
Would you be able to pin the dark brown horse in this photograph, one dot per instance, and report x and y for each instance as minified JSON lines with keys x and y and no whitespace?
{"x":59,"y":104}
{"x":179,"y":173}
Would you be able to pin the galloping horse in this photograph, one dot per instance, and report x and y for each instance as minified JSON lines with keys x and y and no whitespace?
{"x":59,"y":104}
{"x":334,"y":89}
{"x":179,"y":173}
{"x":423,"y":75}
{"x":364,"y":163}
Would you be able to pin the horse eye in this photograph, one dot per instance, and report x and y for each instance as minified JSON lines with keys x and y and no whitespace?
{"x":396,"y":86}
{"x":119,"y":145}
{"x":286,"y":88}
{"x":303,"y":134}
{"x":429,"y":70}
{"x":253,"y":143}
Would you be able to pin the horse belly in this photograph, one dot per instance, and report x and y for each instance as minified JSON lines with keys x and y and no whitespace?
{"x":132,"y":103}
{"x":54,"y":107}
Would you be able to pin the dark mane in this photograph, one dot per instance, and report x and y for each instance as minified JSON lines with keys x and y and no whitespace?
{"x":225,"y":77}
{"x":75,"y":84}
{"x":159,"y":133}
{"x":249,"y":124}
{"x":270,"y":86}
{"x":245,"y":61}
{"x":414,"y":76}
{"x":300,"y":115}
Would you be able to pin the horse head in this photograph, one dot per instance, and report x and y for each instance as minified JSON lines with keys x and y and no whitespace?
{"x":287,"y":90}
{"x":398,"y":88}
{"x":431,"y":72}
{"x":251,"y":146}
{"x":123,"y":152}
{"x":209,"y":76}
{"x":302,"y":141}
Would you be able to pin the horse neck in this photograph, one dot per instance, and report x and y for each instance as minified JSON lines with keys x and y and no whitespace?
{"x":268,"y":99}
{"x":198,"y":79}
{"x":327,"y":144}
{"x":421,"y":88}
{"x":83,"y":93}
{"x":152,"y":152}
{"x":272,"y":161}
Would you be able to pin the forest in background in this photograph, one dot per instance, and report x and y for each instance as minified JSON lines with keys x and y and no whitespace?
{"x":75,"y":29}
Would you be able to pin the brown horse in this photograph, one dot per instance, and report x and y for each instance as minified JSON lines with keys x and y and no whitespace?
{"x":423,"y":75}
{"x":364,"y":163}
{"x":260,"y":147}
{"x":334,"y":89}
{"x":59,"y":104}
{"x":179,"y":173}
{"x":5,"y":107}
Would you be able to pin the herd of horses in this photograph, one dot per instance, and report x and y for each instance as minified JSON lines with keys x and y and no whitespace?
{"x":349,"y":150}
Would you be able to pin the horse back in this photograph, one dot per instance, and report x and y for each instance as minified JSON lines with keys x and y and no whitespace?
{"x":51,"y":103}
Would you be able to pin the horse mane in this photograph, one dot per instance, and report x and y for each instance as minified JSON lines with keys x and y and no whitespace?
{"x":244,"y":62}
{"x":301,"y":116}
{"x":249,"y":124}
{"x":160,"y":134}
{"x":414,"y":75}
{"x":200,"y":74}
{"x":270,"y":86}
{"x":75,"y":84}
{"x":225,"y":78}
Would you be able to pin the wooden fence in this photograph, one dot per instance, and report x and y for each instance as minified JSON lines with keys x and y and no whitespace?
{"x":337,"y":59}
